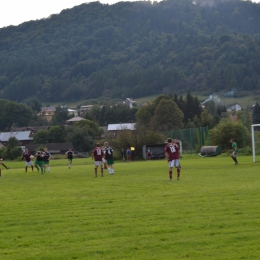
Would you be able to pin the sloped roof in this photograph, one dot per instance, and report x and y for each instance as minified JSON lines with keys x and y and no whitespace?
{"x":124,"y":126}
{"x":75,"y":119}
{"x":30,"y":128}
{"x":51,"y":108}
{"x":20,"y":136}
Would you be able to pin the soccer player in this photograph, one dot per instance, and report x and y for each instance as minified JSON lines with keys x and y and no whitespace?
{"x":235,"y":151}
{"x":4,"y":164}
{"x":172,"y":154}
{"x":98,"y":155}
{"x":123,"y":154}
{"x":148,"y":154}
{"x":28,"y":161}
{"x":70,"y":154}
{"x":46,"y":159}
{"x":128,"y":154}
{"x":108,"y":151}
{"x":39,"y":161}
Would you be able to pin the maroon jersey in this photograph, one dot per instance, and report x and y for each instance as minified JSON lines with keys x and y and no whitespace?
{"x":173,"y":151}
{"x":27,"y":157}
{"x":98,"y":154}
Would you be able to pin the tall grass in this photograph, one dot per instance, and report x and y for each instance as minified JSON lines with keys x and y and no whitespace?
{"x":137,"y":213}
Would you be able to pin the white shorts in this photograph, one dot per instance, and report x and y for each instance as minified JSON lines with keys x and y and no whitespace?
{"x":234,"y":154}
{"x":97,"y":163}
{"x":174,"y":163}
{"x":28,"y":163}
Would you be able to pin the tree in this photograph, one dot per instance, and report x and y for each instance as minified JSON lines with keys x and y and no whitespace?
{"x":80,"y":138}
{"x":90,"y":127}
{"x":227,"y":129}
{"x":12,"y":112}
{"x":256,"y":114}
{"x":56,"y":134}
{"x":206,"y":119}
{"x":167,"y":116}
{"x":12,"y":150}
{"x":42,"y":136}
{"x":144,"y":114}
{"x":60,"y":115}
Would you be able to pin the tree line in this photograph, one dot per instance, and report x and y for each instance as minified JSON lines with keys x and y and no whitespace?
{"x":131,"y":49}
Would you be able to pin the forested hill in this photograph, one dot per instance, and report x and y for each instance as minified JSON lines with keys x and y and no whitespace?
{"x":132,"y":49}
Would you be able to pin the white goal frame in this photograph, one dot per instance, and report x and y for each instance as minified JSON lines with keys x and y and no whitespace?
{"x":253,"y":139}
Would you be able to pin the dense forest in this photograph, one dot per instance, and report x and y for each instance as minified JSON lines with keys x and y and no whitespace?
{"x":132,"y":49}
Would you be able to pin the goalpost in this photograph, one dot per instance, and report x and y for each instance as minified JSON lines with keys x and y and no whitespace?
{"x":253,"y":139}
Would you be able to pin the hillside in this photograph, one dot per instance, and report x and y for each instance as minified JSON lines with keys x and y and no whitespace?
{"x":133,"y":49}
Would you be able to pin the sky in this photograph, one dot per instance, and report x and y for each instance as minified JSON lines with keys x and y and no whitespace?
{"x":15,"y":12}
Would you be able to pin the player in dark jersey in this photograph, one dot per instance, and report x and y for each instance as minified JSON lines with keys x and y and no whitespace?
{"x":46,"y":159}
{"x":28,"y":159}
{"x":70,"y":154}
{"x":172,"y":154}
{"x":108,"y":151}
{"x":98,"y":155}
{"x":39,"y":161}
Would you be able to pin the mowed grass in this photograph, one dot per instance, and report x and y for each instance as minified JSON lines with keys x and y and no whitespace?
{"x":137,"y":213}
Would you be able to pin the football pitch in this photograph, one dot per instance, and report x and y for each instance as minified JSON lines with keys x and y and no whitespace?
{"x":213,"y":212}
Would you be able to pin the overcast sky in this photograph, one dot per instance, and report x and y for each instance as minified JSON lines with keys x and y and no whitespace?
{"x":15,"y":12}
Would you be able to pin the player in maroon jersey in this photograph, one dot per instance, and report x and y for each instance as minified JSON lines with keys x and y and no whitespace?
{"x":4,"y":164}
{"x":172,"y":154}
{"x":28,"y":161}
{"x":98,"y":155}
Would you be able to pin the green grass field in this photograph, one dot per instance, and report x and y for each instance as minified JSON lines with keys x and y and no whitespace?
{"x":137,"y":213}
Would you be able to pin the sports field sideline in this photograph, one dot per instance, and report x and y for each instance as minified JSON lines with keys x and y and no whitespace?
{"x":137,"y":213}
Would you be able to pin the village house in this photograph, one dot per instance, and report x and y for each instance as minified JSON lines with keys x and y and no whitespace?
{"x":85,"y":109}
{"x":129,"y":102}
{"x":23,"y":137}
{"x":114,"y":129}
{"x":234,"y":107}
{"x":48,"y":113}
{"x":33,"y":129}
{"x":73,"y":120}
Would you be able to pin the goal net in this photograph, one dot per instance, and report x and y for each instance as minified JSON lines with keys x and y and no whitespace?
{"x":255,"y":131}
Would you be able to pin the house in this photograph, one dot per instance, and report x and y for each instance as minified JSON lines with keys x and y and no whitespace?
{"x":1,"y":145}
{"x":234,"y":107}
{"x":23,"y":137}
{"x":47,"y":112}
{"x":33,"y":129}
{"x":53,"y":148}
{"x":114,"y":129}
{"x":129,"y":102}
{"x":73,"y":120}
{"x":73,"y":112}
{"x":84,"y":109}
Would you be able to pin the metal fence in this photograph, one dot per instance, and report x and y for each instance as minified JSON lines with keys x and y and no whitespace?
{"x":192,"y":138}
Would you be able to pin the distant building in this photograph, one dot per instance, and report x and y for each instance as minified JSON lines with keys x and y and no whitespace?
{"x":73,"y":120}
{"x":129,"y":102}
{"x":73,"y":112}
{"x":115,"y":129}
{"x":234,"y":107}
{"x":24,"y":137}
{"x":84,"y":109}
{"x":47,"y":112}
{"x":33,"y":129}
